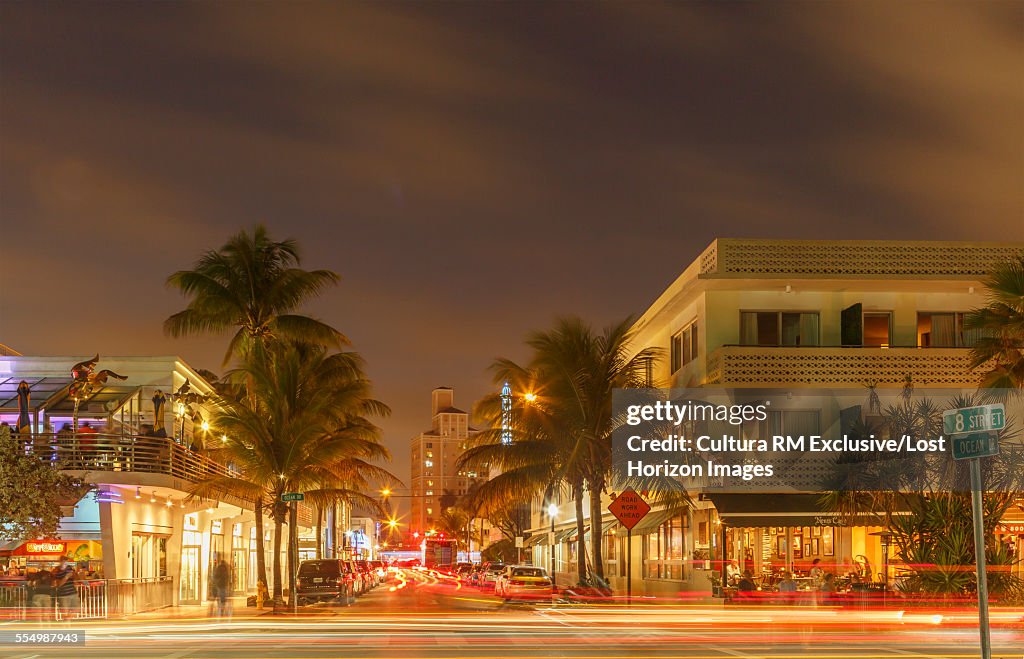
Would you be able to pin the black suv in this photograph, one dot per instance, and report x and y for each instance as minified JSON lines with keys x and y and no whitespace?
{"x":326,"y":579}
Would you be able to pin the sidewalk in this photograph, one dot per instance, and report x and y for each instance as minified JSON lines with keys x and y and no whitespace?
{"x":197,"y":611}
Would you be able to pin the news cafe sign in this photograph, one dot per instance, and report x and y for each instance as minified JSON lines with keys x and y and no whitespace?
{"x":831,"y":520}
{"x":44,"y":547}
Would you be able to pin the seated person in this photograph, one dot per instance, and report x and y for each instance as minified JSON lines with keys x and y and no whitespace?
{"x":787,"y":584}
{"x":746,"y":584}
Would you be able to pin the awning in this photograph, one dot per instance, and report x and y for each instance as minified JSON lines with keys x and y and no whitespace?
{"x":653,"y":520}
{"x":568,"y":534}
{"x":536,"y":539}
{"x":782,"y":510}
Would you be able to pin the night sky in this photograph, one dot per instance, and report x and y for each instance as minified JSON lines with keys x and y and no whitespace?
{"x":473,"y":170}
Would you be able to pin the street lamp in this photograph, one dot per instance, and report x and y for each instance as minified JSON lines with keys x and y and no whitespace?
{"x":529,"y":396}
{"x":552,"y":512}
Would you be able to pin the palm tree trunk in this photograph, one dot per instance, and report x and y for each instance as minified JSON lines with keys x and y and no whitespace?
{"x":261,"y":557}
{"x":278,"y":523}
{"x":333,"y":520}
{"x":319,"y":532}
{"x":581,"y":540}
{"x":596,"y":529}
{"x":293,"y":550}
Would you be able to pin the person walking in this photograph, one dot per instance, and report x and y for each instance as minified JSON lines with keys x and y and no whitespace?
{"x":220,"y":585}
{"x":68,"y":603}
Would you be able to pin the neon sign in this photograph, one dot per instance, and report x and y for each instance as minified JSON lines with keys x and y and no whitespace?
{"x":44,"y":547}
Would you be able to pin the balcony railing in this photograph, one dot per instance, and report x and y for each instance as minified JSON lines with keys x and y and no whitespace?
{"x":751,"y":257}
{"x":818,"y":366}
{"x":101,"y":452}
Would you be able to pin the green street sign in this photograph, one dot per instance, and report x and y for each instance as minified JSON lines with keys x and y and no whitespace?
{"x":968,"y":420}
{"x":975,"y":445}
{"x":293,"y":496}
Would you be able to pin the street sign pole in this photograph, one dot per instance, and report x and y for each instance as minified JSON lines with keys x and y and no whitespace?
{"x":979,"y":553}
{"x":973,"y":435}
{"x":629,"y":567}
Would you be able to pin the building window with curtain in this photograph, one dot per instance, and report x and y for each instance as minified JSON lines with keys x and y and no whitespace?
{"x":663,"y":550}
{"x":779,"y":328}
{"x":945,"y":329}
{"x":791,"y":422}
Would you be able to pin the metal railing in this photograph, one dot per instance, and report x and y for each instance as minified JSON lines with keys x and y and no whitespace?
{"x":129,"y":453}
{"x":127,"y":596}
{"x":97,"y":599}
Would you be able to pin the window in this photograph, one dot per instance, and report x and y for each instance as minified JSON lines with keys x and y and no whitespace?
{"x":430,"y":483}
{"x":430,"y":445}
{"x":430,"y":511}
{"x":428,"y":463}
{"x":878,"y":329}
{"x":779,"y":328}
{"x":792,"y":422}
{"x":430,"y":454}
{"x":663,"y":550}
{"x":430,"y":493}
{"x":945,"y":330}
{"x":683,"y":348}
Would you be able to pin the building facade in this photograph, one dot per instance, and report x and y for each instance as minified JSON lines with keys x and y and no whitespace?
{"x":141,"y":448}
{"x":436,"y":479}
{"x":801,"y":315}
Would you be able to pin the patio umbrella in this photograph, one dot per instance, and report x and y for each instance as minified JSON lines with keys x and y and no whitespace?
{"x":159,"y":400}
{"x":24,"y":422}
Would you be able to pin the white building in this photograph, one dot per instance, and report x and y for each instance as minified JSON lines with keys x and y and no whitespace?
{"x":797,"y":314}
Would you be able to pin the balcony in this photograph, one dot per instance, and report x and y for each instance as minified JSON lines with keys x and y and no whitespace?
{"x":818,"y":366}
{"x":123,"y":454}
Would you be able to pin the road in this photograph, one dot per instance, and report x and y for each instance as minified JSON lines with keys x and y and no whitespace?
{"x":427,"y":616}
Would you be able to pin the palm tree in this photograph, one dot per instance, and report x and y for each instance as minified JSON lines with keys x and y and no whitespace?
{"x":254,"y":284}
{"x":302,"y":429}
{"x":1001,"y":323}
{"x":562,"y":437}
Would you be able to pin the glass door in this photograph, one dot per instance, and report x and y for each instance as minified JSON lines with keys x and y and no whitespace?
{"x":191,"y":569}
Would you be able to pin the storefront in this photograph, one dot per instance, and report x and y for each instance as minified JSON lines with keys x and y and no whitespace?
{"x":46,"y":554}
{"x":771,"y":533}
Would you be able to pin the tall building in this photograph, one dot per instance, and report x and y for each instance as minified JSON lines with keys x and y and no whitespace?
{"x":436,"y":479}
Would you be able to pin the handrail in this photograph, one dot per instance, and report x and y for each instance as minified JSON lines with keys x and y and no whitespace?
{"x":127,"y":453}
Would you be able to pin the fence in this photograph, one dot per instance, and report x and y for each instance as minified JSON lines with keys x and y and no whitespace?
{"x":97,"y":599}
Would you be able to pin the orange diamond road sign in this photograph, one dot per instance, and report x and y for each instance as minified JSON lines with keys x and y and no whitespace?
{"x":629,"y":508}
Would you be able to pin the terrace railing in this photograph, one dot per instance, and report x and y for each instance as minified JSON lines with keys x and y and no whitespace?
{"x":125,"y":453}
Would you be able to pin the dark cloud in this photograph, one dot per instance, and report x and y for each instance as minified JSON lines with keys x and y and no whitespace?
{"x":473,"y":169}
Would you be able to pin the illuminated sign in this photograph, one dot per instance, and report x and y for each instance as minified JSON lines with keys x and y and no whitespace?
{"x":44,"y":547}
{"x":1016,"y":527}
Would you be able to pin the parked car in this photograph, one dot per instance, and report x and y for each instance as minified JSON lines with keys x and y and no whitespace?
{"x":526,"y":582}
{"x":463,"y":570}
{"x":490,"y":575}
{"x":362,"y":583}
{"x":323,"y":580}
{"x":369,"y":573}
{"x":381,"y":568}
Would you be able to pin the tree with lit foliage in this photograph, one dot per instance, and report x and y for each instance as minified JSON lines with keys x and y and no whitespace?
{"x":254,"y":285}
{"x":307,"y":432}
{"x":562,"y":435}
{"x":33,"y":491}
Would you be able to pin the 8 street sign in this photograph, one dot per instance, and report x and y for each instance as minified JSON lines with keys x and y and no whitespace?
{"x":974,"y":419}
{"x":293,"y":496}
{"x":629,"y":508}
{"x":975,"y":445}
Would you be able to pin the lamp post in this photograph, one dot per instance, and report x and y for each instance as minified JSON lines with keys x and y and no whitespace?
{"x":552,"y":511}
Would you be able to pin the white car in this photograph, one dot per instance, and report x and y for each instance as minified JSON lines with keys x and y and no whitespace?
{"x":524,"y":582}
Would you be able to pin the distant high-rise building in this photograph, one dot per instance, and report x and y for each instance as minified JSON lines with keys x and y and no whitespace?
{"x":436,"y":479}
